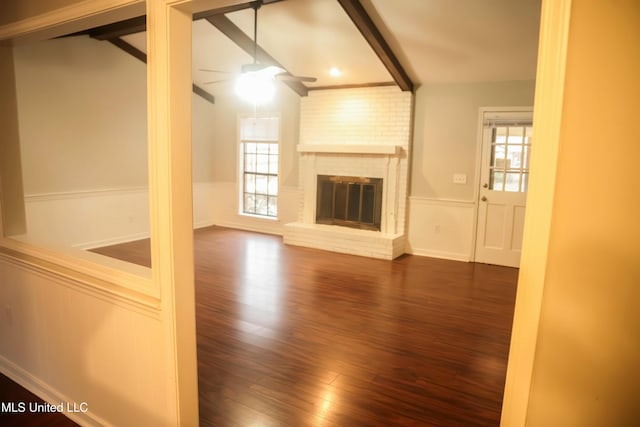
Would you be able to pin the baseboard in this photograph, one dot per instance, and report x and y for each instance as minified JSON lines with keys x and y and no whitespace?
{"x":277,"y":231}
{"x":47,"y":393}
{"x":131,"y":237}
{"x":452,"y":256}
{"x":204,"y":224}
{"x":113,"y":241}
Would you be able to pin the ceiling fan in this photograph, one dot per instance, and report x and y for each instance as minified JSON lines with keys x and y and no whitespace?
{"x":257,"y":69}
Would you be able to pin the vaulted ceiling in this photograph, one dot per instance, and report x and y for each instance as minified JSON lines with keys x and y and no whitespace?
{"x":435,"y":41}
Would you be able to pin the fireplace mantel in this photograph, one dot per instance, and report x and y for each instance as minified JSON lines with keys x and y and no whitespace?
{"x":385,"y":150}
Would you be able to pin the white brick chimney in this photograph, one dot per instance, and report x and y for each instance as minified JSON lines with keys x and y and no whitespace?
{"x":361,"y":132}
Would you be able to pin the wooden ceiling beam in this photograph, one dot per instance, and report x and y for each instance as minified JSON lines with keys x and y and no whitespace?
{"x":129,"y":48}
{"x":353,"y":86}
{"x":119,"y":29}
{"x":230,"y":9}
{"x":137,"y":53}
{"x":372,"y":35}
{"x":139,"y":23}
{"x":244,"y":42}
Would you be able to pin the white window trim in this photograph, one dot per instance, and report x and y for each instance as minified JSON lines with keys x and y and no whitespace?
{"x":240,"y":166}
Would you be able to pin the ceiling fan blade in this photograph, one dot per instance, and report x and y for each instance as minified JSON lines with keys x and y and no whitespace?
{"x":215,"y":81}
{"x":208,"y":70}
{"x":291,"y":77}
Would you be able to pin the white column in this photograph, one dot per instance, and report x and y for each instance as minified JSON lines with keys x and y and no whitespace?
{"x":170,"y":197}
{"x":391,"y":193}
{"x":552,"y":57}
{"x":12,"y":215}
{"x":308,"y":163}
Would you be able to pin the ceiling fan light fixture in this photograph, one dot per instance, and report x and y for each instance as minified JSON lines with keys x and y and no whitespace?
{"x":256,"y":83}
{"x":272,"y":71}
{"x":256,"y":87}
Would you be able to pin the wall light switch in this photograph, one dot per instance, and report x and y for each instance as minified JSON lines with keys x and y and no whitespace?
{"x":459,"y":178}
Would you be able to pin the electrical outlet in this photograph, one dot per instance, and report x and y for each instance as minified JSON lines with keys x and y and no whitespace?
{"x":459,"y":178}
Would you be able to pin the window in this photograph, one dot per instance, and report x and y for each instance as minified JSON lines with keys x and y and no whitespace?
{"x":510,"y":153}
{"x":259,"y":137}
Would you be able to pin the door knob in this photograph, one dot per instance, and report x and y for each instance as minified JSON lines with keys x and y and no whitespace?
{"x":485,"y":185}
{"x":484,"y":199}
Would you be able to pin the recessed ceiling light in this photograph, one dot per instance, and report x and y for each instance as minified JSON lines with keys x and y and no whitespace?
{"x":335,"y":72}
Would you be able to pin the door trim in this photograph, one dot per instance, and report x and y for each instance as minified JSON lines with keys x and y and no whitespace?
{"x":547,"y":121}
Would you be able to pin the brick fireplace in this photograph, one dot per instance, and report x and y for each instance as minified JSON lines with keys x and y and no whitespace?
{"x":363,"y":134}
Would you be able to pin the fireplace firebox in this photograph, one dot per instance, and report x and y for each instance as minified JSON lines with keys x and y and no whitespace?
{"x":349,"y":201}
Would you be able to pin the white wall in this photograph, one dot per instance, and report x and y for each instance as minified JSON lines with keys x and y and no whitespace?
{"x":445,"y":141}
{"x":83,"y":132}
{"x":82,"y":115}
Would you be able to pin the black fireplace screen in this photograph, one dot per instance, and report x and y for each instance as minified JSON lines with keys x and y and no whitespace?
{"x":349,"y":201}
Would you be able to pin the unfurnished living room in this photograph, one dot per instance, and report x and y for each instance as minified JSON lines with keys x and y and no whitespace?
{"x":318,"y":213}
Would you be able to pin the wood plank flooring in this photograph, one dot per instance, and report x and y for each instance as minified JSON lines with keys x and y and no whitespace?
{"x":293,"y":337}
{"x":290,"y":336}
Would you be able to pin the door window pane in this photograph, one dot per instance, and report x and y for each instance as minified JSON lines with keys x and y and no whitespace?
{"x":514,"y":156}
{"x":509,"y":163}
{"x":497,"y":181}
{"x":513,"y":182}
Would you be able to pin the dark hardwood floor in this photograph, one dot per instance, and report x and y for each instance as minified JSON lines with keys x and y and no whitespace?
{"x":17,"y":408}
{"x":290,"y":336}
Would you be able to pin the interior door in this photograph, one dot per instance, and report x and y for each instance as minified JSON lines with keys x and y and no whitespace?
{"x":504,"y":178}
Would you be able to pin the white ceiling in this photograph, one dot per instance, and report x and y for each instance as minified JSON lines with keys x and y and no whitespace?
{"x":462,"y":40}
{"x":437,"y":41}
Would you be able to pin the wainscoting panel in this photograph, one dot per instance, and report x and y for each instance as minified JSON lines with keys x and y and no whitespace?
{"x":204,"y":203}
{"x":90,"y":219}
{"x":441,"y":228}
{"x":69,"y":346}
{"x":87,"y":219}
{"x":225,"y":209}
